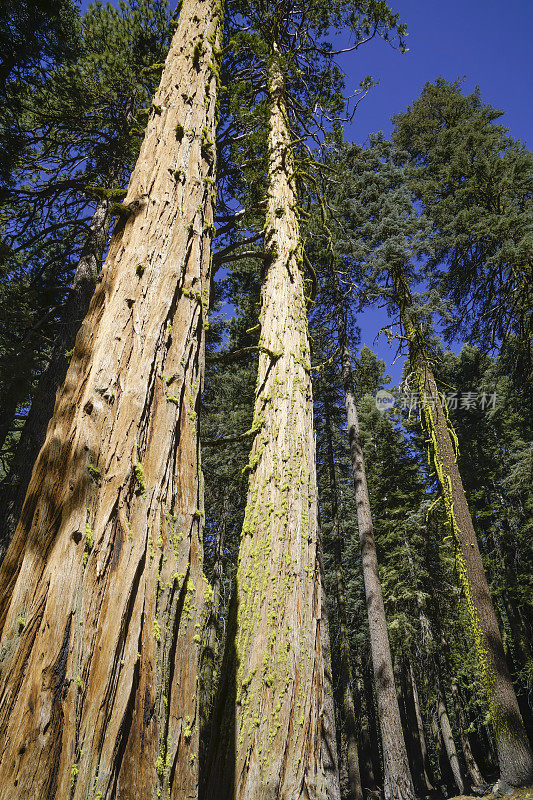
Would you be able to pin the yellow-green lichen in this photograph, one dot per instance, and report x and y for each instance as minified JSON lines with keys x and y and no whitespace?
{"x":138,"y":472}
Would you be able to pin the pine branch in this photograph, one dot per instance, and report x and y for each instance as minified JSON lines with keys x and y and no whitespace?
{"x":223,"y":440}
{"x":236,"y":355}
{"x":265,"y":255}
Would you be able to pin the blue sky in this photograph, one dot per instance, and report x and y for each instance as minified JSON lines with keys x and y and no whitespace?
{"x":488,"y":41}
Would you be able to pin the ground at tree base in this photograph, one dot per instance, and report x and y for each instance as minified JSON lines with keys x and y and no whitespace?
{"x":524,"y":793}
{"x":514,"y":794}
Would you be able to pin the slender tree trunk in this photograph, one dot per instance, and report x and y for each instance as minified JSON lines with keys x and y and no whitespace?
{"x":418,"y":728}
{"x":348,"y":705}
{"x":449,"y":744}
{"x":398,"y":784}
{"x":409,"y":724}
{"x":514,"y":752}
{"x":275,"y":733}
{"x":489,"y":750}
{"x":445,"y":773}
{"x":521,"y":641}
{"x":471,"y":764}
{"x":376,"y":753}
{"x":102,"y":590}
{"x":366,"y":766}
{"x":42,"y":405}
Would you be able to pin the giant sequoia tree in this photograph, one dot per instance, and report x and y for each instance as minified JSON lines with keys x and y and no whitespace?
{"x":123,"y":673}
{"x":102,"y":588}
{"x":277,"y":663}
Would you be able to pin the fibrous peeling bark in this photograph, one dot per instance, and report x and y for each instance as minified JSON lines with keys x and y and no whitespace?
{"x":102,"y":591}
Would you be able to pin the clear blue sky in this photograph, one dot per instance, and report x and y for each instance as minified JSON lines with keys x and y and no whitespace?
{"x":488,"y":41}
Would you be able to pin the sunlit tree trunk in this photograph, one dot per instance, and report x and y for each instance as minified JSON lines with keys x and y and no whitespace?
{"x":102,"y":590}
{"x":43,"y":399}
{"x":274,"y":735}
{"x":398,"y":783}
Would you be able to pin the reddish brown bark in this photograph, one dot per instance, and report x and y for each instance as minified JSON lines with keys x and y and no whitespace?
{"x":101,"y":590}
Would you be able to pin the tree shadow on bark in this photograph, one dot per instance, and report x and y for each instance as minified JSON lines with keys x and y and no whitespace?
{"x":59,"y":478}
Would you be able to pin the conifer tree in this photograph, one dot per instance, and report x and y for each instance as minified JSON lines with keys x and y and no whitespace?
{"x":68,"y":124}
{"x":397,"y":777}
{"x":345,"y":667}
{"x":514,"y":751}
{"x":274,"y":731}
{"x":101,"y":590}
{"x":34,"y":36}
{"x":390,"y":258}
{"x":474,"y":182}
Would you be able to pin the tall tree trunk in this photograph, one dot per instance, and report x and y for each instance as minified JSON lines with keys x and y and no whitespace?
{"x":348,"y":705}
{"x":398,"y":784}
{"x":102,"y":590}
{"x":446,"y":777}
{"x":471,"y":764}
{"x":42,"y":405}
{"x":275,"y":733}
{"x":366,"y":741}
{"x":449,"y":744}
{"x":514,"y":752}
{"x":414,"y":714}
